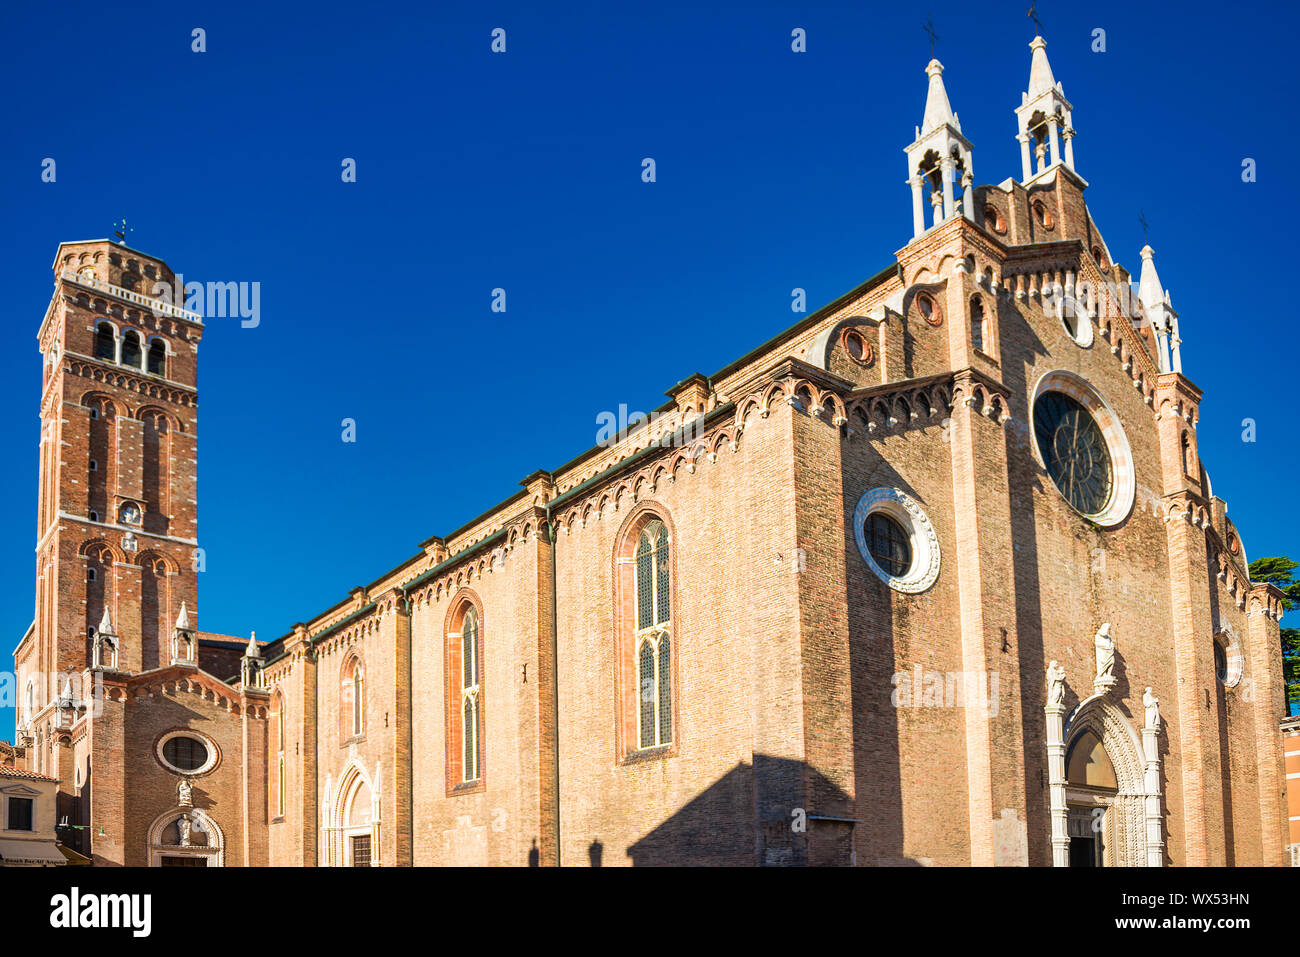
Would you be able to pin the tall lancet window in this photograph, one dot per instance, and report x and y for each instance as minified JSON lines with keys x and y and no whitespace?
{"x":469,"y":694}
{"x":653,"y":637}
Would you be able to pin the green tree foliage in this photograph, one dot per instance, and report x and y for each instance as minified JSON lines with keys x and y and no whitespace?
{"x":1282,"y":573}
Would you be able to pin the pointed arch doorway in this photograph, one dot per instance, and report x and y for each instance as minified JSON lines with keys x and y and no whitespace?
{"x":1111,"y":789}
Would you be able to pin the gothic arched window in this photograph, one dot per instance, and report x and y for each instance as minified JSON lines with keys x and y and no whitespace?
{"x":131,"y":351}
{"x":105,"y":342}
{"x":469,"y":694}
{"x":352,"y":698}
{"x":157,"y":357}
{"x":653,"y":637}
{"x":464,"y":677}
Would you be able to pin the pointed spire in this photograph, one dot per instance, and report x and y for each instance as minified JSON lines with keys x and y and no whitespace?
{"x":1040,"y":71}
{"x":938,"y":110}
{"x":1157,"y":309}
{"x":1044,"y":118}
{"x":106,"y":624}
{"x":183,"y":619}
{"x":939,"y":159}
{"x":253,"y":651}
{"x":1150,"y":292}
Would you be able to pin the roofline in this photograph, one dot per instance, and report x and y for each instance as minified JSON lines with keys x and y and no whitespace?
{"x":808,"y":321}
{"x":654,"y":447}
{"x":111,"y":242}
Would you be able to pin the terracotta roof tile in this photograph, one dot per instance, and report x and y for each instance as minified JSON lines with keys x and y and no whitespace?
{"x":9,"y":771}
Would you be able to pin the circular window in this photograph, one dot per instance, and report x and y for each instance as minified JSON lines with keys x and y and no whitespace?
{"x":1081,"y":444}
{"x":896,"y":540}
{"x":1229,"y":659}
{"x":1043,"y":214}
{"x":1074,"y":452}
{"x":929,"y":309}
{"x":994,"y":221}
{"x":184,"y":752}
{"x":857,"y":347}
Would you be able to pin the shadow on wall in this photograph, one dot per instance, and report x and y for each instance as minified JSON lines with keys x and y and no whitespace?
{"x":775,"y":812}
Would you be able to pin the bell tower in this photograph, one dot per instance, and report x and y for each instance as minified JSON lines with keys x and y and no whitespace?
{"x":939,"y":160}
{"x":1044,"y":118}
{"x":116,"y":518}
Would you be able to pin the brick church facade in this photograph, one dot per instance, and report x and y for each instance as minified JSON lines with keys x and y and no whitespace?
{"x":935,"y":576}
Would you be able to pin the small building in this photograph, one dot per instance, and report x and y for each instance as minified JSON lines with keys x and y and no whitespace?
{"x":28,"y":804}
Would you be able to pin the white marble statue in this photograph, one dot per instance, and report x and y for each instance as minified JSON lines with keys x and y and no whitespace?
{"x":1152,"y":704}
{"x":1105,"y":653}
{"x":185,"y":793}
{"x":184,"y":824}
{"x":1055,"y":683}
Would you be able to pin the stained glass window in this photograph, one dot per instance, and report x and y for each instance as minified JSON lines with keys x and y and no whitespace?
{"x":654,"y":647}
{"x":470,"y":695}
{"x":1074,"y":451}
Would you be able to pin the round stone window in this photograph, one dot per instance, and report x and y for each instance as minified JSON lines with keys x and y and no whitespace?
{"x":1043,"y":214}
{"x":857,"y":347}
{"x":1081,"y":445}
{"x":896,"y":540}
{"x":929,"y":309}
{"x":183,"y":752}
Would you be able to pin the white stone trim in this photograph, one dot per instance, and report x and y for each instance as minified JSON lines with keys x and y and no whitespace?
{"x":214,"y":753}
{"x":215,"y":851}
{"x":924,"y":540}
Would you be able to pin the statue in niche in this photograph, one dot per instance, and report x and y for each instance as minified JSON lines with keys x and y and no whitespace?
{"x":1105,"y":654}
{"x":1055,"y":683}
{"x":185,"y":793}
{"x":1152,"y":704}
{"x":184,"y":825}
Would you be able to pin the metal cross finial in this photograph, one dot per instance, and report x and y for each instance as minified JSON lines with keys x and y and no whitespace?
{"x":121,"y":230}
{"x":1142,"y":218}
{"x":934,"y":37}
{"x":1033,"y":15}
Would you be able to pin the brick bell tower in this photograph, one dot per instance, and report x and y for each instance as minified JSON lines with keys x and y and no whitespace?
{"x":117,"y":524}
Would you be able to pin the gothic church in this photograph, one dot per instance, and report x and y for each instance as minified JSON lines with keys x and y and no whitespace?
{"x":935,"y":576}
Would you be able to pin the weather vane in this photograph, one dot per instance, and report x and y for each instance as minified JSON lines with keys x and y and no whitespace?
{"x":1142,"y":218}
{"x":121,"y":230}
{"x":934,"y":37}
{"x":1033,"y":15}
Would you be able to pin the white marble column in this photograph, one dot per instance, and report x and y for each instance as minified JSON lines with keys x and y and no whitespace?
{"x":1056,"y":783}
{"x":1151,"y":809}
{"x":918,"y":206}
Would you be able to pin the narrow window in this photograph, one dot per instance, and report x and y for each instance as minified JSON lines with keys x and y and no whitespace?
{"x":157,"y":357}
{"x":131,"y":353}
{"x":653,"y":641}
{"x":105,"y":346}
{"x":358,"y":700}
{"x":469,"y":695}
{"x":977,"y":323}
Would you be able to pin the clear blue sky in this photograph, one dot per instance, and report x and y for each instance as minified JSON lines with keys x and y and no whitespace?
{"x":522,"y":171}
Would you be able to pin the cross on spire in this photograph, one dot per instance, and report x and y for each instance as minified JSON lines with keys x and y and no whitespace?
{"x":928,"y":27}
{"x":1142,"y":218}
{"x":1033,"y":15}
